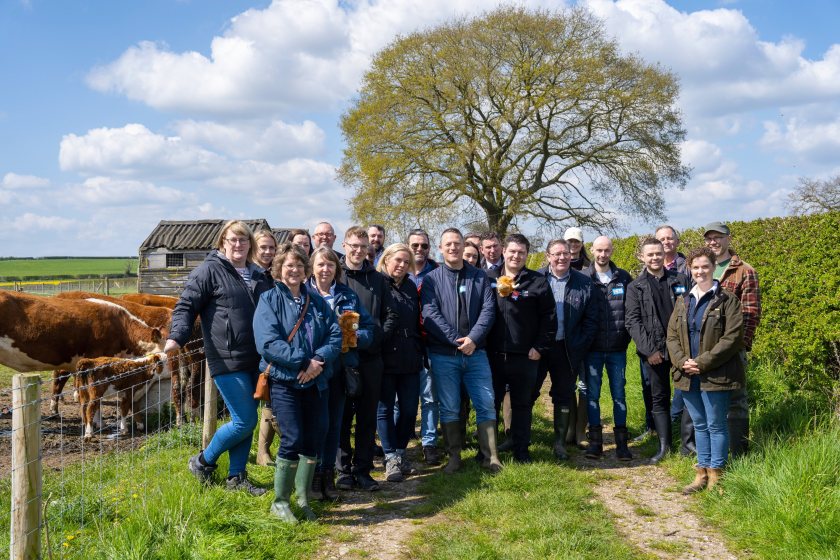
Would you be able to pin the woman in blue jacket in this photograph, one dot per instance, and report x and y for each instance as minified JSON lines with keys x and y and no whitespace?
{"x":300,"y":366}
{"x":326,"y":280}
{"x":224,"y":291}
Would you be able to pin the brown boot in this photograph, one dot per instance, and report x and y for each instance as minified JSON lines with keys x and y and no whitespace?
{"x":701,"y":479}
{"x":714,"y":478}
{"x":266,"y":438}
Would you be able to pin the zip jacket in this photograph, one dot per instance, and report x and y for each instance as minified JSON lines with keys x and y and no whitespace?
{"x":611,"y":335}
{"x":641,"y":316}
{"x":580,"y":315}
{"x":525,"y":319}
{"x":217,"y":293}
{"x":372,"y":289}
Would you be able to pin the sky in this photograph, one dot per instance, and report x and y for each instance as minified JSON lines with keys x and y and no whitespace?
{"x":116,"y":115}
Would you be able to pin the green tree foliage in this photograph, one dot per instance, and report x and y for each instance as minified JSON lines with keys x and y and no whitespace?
{"x":516,"y":115}
{"x":796,"y":260}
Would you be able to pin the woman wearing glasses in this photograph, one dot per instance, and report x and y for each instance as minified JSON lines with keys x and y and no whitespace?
{"x":224,"y":291}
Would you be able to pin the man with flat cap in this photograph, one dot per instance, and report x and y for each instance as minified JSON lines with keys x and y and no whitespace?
{"x":740,"y":278}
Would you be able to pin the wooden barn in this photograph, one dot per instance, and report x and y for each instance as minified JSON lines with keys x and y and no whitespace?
{"x":174,"y":249}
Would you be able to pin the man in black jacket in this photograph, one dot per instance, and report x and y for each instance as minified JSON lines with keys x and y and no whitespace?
{"x":375,"y":295}
{"x":577,"y":320}
{"x":609,"y":348}
{"x":526,"y":322}
{"x":650,"y":302}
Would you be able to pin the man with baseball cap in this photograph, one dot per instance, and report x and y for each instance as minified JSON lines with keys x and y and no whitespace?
{"x":740,"y":278}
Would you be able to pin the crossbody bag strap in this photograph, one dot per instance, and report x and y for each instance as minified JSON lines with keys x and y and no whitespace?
{"x":300,"y":319}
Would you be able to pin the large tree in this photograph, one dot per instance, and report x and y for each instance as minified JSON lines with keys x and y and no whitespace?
{"x":516,"y":115}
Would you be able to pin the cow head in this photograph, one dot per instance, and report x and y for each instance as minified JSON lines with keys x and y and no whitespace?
{"x":155,"y":343}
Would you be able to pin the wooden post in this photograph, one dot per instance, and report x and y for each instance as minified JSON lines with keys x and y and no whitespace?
{"x":211,"y":397}
{"x":108,"y":286}
{"x":26,"y":466}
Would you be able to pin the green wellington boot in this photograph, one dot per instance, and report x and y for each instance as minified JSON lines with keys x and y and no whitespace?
{"x":452,"y":435}
{"x":303,"y":482}
{"x":284,"y":477}
{"x":562,"y":417}
{"x":487,"y":444}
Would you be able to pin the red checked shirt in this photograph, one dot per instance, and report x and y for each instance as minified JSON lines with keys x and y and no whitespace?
{"x":742,"y":280}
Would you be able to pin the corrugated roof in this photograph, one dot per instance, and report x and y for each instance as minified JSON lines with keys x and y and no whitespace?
{"x":191,"y":234}
{"x":281,"y":235}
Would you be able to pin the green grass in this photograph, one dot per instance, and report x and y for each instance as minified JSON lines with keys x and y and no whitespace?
{"x":144,"y":504}
{"x":60,"y":267}
{"x":7,"y":373}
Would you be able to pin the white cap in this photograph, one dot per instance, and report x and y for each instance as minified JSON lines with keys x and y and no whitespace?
{"x":573,"y":233}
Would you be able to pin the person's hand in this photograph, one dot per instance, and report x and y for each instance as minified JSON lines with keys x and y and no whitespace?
{"x":467,"y":346}
{"x":690,"y":367}
{"x":312,"y":371}
{"x":533,"y":355}
{"x":656,"y":358}
{"x":170,"y":345}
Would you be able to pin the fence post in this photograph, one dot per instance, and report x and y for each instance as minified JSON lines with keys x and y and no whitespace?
{"x":211,"y":408}
{"x":26,"y":467}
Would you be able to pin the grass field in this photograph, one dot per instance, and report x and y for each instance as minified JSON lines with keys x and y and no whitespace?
{"x":60,"y":267}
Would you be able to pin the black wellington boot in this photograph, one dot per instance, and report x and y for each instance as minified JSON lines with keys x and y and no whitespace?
{"x":596,"y":443}
{"x":621,"y":437}
{"x":687,"y":446}
{"x":662,"y":421}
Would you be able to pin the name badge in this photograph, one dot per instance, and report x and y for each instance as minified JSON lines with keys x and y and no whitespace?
{"x":462,"y":289}
{"x":679,"y":290}
{"x":619,"y":291}
{"x":492,"y":285}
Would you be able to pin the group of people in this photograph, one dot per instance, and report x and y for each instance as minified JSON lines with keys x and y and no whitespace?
{"x":352,"y":342}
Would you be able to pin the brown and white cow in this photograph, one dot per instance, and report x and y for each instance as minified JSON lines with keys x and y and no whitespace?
{"x":181,"y":363}
{"x":151,"y":299}
{"x":128,"y":379}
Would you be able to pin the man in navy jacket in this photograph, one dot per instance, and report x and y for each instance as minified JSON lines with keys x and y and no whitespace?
{"x":577,"y":322}
{"x":458,"y":312}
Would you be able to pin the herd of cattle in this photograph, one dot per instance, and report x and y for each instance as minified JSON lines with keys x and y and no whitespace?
{"x":112,"y":346}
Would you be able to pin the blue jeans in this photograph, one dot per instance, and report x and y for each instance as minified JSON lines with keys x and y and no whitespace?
{"x":429,"y":412}
{"x":397,"y":410}
{"x":474,"y":372}
{"x":298,"y":415}
{"x":708,"y":411}
{"x":237,"y":390}
{"x":677,"y":405}
{"x":615,"y":363}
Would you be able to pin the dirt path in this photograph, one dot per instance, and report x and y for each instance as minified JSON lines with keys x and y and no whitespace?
{"x":377,"y":525}
{"x":648,"y":508}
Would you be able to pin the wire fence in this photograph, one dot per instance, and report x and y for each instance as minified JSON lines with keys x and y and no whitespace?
{"x":105,"y":286}
{"x":78,"y":453}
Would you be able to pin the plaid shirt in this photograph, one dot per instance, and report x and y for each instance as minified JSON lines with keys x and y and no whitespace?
{"x":742,"y":280}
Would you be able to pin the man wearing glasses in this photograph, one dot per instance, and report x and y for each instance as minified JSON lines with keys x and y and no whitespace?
{"x":375,"y":295}
{"x":738,"y":277}
{"x":418,"y":242}
{"x":577,"y":323}
{"x":324,"y":234}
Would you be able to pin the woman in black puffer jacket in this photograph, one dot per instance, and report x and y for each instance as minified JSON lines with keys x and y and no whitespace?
{"x":224,"y":291}
{"x":402,"y":355}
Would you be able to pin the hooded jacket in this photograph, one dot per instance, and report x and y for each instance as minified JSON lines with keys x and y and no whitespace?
{"x":721,"y":339}
{"x":318,"y":335}
{"x":217,"y":293}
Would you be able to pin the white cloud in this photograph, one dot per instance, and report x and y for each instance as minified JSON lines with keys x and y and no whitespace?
{"x":32,"y":223}
{"x":274,"y":141}
{"x":13,"y":181}
{"x":106,"y":191}
{"x":134,"y":150}
{"x":816,"y":141}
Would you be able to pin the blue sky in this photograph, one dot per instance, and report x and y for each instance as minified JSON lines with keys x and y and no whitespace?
{"x":115,"y":115}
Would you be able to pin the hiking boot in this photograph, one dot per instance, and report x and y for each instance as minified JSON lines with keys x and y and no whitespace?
{"x":240,"y":481}
{"x":393,"y":472}
{"x":648,"y":433}
{"x":562,"y":415}
{"x":204,"y":473}
{"x":345,"y":481}
{"x":366,"y":482}
{"x":621,"y":450}
{"x":431,"y":455}
{"x":316,"y":491}
{"x":405,"y":464}
{"x":701,"y":479}
{"x":596,"y":443}
{"x":328,"y":485}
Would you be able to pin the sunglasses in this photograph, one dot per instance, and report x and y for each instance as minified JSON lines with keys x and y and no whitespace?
{"x":423,"y":246}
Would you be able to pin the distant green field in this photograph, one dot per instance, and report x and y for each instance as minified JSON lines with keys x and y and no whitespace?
{"x":72,"y":267}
